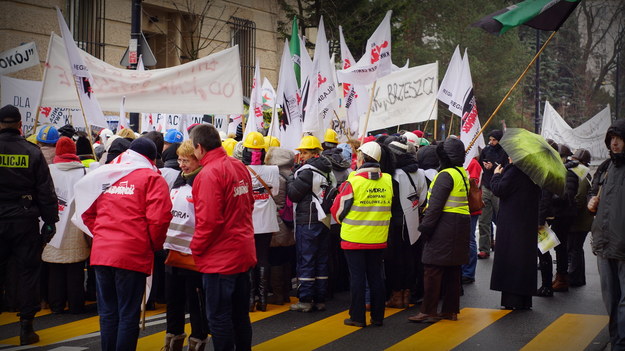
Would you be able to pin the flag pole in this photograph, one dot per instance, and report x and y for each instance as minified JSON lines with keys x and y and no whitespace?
{"x":82,"y":110}
{"x":364,"y":132}
{"x":43,"y":84}
{"x":511,"y":89}
{"x":451,"y":124}
{"x":435,"y":128}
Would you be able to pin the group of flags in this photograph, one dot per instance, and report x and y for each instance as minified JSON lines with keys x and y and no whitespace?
{"x":308,"y":89}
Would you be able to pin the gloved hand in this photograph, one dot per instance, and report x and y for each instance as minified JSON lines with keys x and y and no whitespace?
{"x":47,"y":232}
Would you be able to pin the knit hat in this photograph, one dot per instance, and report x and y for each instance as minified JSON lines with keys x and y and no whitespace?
{"x":497,"y":134}
{"x":145,"y":147}
{"x":65,"y":145}
{"x":118,"y":146}
{"x":67,"y":130}
{"x":10,"y":114}
{"x":418,"y":133}
{"x":83,"y":146}
{"x":398,"y":148}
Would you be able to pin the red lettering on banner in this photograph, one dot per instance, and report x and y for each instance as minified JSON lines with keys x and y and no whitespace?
{"x":377,"y":50}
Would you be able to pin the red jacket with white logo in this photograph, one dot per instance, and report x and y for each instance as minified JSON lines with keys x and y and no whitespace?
{"x":129,"y":221}
{"x":223,"y":241}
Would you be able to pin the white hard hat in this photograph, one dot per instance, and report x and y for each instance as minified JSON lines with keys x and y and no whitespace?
{"x":412,"y":138}
{"x":371,"y":149}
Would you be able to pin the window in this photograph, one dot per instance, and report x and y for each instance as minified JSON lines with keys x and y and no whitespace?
{"x":86,"y":21}
{"x":243,"y":33}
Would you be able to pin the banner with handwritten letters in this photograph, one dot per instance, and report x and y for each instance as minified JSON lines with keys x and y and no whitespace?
{"x":590,"y":135}
{"x":162,"y":122}
{"x":211,"y":84}
{"x":406,"y":96}
{"x":19,"y":58}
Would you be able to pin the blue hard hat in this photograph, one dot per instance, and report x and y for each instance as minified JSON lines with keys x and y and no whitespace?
{"x":173,"y":136}
{"x":48,"y":135}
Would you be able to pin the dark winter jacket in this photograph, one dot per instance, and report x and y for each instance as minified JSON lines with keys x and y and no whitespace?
{"x":609,"y":224}
{"x":27,"y":187}
{"x":564,"y":206}
{"x":170,"y":157}
{"x":446,"y":234}
{"x":426,"y":157}
{"x":299,"y":190}
{"x":494,"y":154}
{"x":340,"y":166}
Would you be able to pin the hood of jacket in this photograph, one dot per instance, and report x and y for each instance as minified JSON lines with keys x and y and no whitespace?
{"x":322,"y":163}
{"x":279,"y":156}
{"x":407,"y":162}
{"x":451,"y":153}
{"x":426,"y":157}
{"x":336,"y":158}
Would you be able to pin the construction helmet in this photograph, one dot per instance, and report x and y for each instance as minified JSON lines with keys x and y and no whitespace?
{"x":371,"y":149}
{"x":254,"y":140}
{"x":412,"y":138}
{"x":228,"y":145}
{"x":271,"y":141}
{"x":331,"y":136}
{"x":173,"y":136}
{"x":424,"y":142}
{"x":48,"y":135}
{"x":582,"y":155}
{"x":309,"y":142}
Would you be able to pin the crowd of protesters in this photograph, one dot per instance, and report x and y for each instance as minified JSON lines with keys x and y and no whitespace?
{"x":227,"y":226}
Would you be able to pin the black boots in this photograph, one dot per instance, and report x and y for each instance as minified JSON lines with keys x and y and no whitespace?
{"x":263,"y":288}
{"x":27,"y":333}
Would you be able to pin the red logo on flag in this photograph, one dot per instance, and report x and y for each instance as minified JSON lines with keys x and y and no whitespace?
{"x":46,"y":111}
{"x":377,"y":50}
{"x":346,"y":63}
{"x":321,"y":79}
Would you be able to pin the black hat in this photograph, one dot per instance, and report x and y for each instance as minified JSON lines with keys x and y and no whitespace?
{"x":10,"y":114}
{"x":67,"y":130}
{"x":118,"y":146}
{"x":145,"y":147}
{"x":497,"y":134}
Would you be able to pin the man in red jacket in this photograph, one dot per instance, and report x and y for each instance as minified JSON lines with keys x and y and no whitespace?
{"x":223,"y":241}
{"x":129,"y":221}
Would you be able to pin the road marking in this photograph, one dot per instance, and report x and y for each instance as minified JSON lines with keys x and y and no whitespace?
{"x":569,"y":332}
{"x":315,"y":335}
{"x":70,"y":330}
{"x":445,"y":335}
{"x":156,"y":341}
{"x":12,"y":317}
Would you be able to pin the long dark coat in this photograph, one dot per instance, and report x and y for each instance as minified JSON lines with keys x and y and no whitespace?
{"x":514,"y":266}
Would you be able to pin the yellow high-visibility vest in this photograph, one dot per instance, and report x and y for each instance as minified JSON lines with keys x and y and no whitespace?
{"x":370,"y":215}
{"x":457,"y":202}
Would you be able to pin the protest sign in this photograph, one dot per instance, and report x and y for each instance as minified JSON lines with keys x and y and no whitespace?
{"x":19,"y":58}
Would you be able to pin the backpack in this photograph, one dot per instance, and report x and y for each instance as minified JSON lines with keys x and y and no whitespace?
{"x":328,"y":194}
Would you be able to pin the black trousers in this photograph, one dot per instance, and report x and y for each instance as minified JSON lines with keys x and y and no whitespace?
{"x":184,"y":288}
{"x":398,"y":259}
{"x":21,"y":240}
{"x":66,"y":283}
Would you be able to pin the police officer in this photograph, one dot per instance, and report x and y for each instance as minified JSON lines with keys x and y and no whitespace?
{"x":27,"y":193}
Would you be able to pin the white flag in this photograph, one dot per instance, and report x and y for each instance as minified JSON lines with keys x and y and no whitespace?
{"x":305,"y":62}
{"x":376,"y":62}
{"x":255,"y":116}
{"x":268,"y":94}
{"x":355,"y":96}
{"x":322,"y":97}
{"x":289,"y":126}
{"x":470,"y":122}
{"x":123,"y":121}
{"x":452,"y":75}
{"x":82,"y":77}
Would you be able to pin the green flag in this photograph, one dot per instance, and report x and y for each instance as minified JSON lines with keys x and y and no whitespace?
{"x":539,"y":14}
{"x":295,"y":52}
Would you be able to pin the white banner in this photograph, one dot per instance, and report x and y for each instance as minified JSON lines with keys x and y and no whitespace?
{"x":211,"y":84}
{"x":590,"y":135}
{"x":406,"y":96}
{"x":452,"y":75}
{"x":19,"y":58}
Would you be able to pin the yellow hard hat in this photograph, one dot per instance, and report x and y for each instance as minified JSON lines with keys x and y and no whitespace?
{"x":254,"y":140}
{"x":271,"y":141}
{"x":32,"y":139}
{"x":229,"y":144}
{"x":331,"y":136}
{"x":309,"y":142}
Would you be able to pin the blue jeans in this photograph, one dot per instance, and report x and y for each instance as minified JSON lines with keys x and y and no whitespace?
{"x":366,"y":266}
{"x":312,"y":244}
{"x":119,"y":294}
{"x":468,"y":270}
{"x":612,"y":275}
{"x":227,"y":309}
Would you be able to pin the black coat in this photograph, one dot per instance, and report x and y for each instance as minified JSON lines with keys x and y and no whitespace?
{"x":514,"y":266}
{"x":299,"y":190}
{"x":494,"y":154}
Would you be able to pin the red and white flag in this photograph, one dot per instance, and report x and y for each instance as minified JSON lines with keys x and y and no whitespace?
{"x":376,"y":62}
{"x":82,"y":78}
{"x":288,"y":127}
{"x":255,"y":116}
{"x":470,"y":121}
{"x":322,"y":98}
{"x":355,"y":97}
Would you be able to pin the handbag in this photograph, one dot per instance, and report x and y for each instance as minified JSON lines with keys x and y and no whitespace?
{"x":474,"y":194}
{"x":181,"y":260}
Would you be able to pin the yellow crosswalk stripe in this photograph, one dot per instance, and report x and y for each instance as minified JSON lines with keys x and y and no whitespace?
{"x":569,"y":332}
{"x":12,"y":317}
{"x":70,"y":330}
{"x":155,"y":341}
{"x":316,"y":334}
{"x":445,"y":335}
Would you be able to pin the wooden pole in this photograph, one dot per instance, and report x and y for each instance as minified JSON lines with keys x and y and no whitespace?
{"x":87,"y":126}
{"x":341,"y":125}
{"x":510,"y":91}
{"x":451,"y":124}
{"x":143,"y":307}
{"x":364,"y":132}
{"x":435,"y":128}
{"x":43,"y":84}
